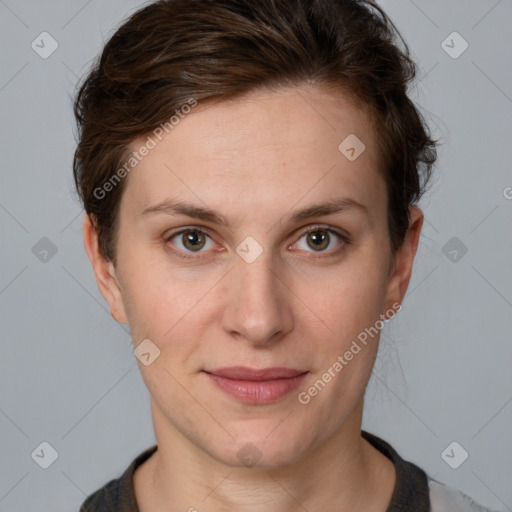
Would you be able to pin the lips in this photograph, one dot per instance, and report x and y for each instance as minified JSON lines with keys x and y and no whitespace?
{"x":256,"y":386}
{"x":250,"y":374}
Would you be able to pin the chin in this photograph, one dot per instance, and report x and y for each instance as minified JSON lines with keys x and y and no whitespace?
{"x":262,"y":448}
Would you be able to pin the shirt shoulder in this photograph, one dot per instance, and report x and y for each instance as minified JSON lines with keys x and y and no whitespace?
{"x":117,"y":495}
{"x":105,"y":499}
{"x":416,"y":490}
{"x":444,"y":498}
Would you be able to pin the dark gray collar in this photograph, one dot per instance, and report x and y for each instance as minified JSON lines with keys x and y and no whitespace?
{"x":411,"y":490}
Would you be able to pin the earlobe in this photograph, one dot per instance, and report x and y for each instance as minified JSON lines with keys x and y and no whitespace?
{"x":401,"y":268}
{"x":104,"y":271}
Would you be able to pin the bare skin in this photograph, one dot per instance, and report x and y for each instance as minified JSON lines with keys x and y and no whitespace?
{"x":256,"y":161}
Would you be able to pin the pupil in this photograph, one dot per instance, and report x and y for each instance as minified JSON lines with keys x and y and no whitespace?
{"x":319,"y":238}
{"x":192,"y":239}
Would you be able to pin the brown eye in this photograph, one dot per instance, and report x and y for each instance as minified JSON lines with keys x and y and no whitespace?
{"x":193,"y":240}
{"x":190,"y":240}
{"x":318,"y":239}
{"x":324,"y":241}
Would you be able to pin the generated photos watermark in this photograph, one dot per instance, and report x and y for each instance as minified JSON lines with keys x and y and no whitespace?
{"x":305,"y":397}
{"x":158,"y":133}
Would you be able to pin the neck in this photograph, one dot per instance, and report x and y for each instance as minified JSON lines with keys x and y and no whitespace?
{"x":345,"y":473}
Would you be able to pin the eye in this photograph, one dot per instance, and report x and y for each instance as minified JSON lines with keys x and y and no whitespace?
{"x":320,"y":239}
{"x":191,"y":240}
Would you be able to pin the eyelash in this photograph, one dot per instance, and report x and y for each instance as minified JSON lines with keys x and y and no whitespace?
{"x":324,"y":254}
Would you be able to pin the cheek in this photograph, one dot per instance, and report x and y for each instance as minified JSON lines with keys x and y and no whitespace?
{"x":170,"y":307}
{"x":343,"y":360}
{"x":156,"y":294}
{"x":350,"y":305}
{"x":345,"y":301}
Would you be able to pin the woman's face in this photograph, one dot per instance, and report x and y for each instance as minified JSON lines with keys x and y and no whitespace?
{"x":259,"y":292}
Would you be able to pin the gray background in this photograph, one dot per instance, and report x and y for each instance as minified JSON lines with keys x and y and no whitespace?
{"x":68,"y":374}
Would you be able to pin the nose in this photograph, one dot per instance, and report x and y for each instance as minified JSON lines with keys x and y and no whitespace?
{"x":257,"y":307}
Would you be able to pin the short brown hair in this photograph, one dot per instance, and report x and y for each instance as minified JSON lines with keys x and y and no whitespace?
{"x":214,"y":50}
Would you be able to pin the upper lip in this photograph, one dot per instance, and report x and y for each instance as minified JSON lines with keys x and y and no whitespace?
{"x":245,"y":373}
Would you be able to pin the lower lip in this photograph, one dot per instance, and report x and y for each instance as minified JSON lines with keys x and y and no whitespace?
{"x":257,"y":392}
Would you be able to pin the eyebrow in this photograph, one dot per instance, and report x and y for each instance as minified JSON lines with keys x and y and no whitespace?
{"x":206,"y":214}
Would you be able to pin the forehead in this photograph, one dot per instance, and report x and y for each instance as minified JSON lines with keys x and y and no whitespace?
{"x":263,"y":150}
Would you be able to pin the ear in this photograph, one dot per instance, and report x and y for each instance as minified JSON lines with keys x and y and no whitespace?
{"x":401,"y":267}
{"x":104,"y":271}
